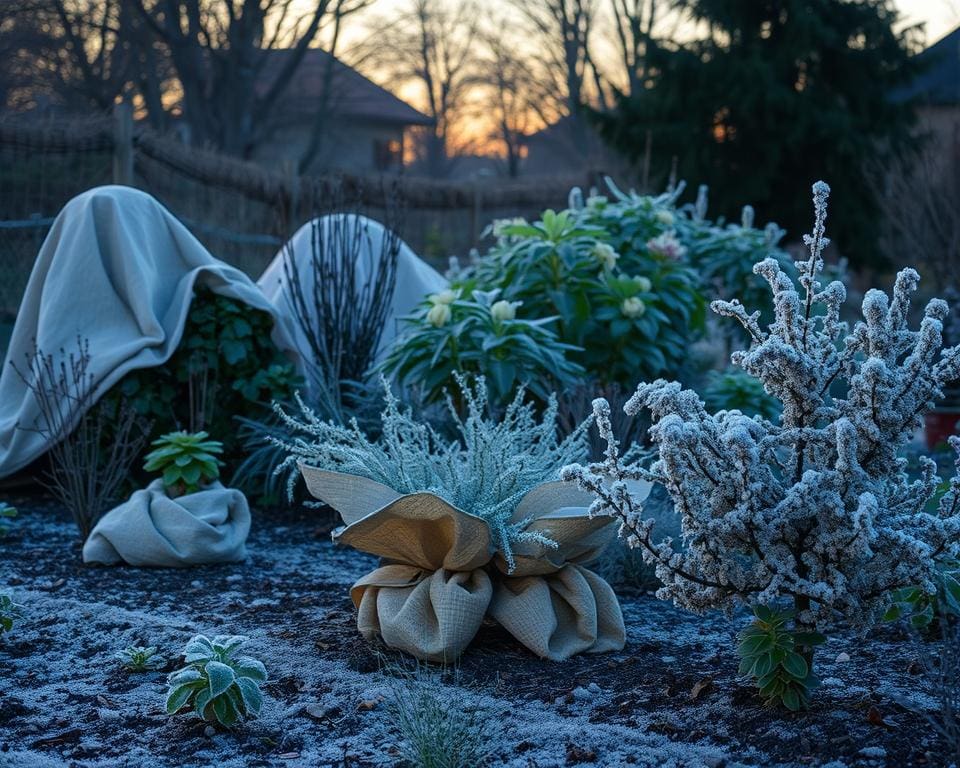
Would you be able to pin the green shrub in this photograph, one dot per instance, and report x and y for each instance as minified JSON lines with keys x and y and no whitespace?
{"x":923,"y":609}
{"x":7,"y":512}
{"x":735,"y":390}
{"x":225,"y":366}
{"x":187,"y":462}
{"x":628,"y":311}
{"x":10,"y":613}
{"x":137,"y":658}
{"x":217,"y":686}
{"x":477,"y":332}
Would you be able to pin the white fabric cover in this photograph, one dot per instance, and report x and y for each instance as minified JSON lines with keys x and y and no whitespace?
{"x":151,"y":529}
{"x":118,"y":269}
{"x":415,"y":278}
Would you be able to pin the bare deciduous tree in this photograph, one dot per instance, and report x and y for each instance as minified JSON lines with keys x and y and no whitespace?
{"x":431,"y":45}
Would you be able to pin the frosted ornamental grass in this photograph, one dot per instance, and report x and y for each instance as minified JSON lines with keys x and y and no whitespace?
{"x":485,"y":470}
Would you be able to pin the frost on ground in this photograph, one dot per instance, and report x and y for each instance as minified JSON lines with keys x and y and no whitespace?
{"x":670,"y":698}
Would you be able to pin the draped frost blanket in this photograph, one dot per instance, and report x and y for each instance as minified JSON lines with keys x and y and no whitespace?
{"x":118,"y":269}
{"x":152,"y":529}
{"x":441,"y":576}
{"x":415,"y":279}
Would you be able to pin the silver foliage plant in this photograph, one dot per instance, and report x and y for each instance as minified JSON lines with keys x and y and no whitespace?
{"x":816,"y":507}
{"x":485,"y":470}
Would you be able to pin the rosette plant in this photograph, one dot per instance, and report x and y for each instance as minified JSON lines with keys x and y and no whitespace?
{"x":811,"y":516}
{"x":477,"y":332}
{"x":186,"y":461}
{"x":219,"y":687}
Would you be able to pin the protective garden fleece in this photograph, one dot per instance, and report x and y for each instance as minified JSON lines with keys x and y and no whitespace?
{"x":118,"y":269}
{"x":152,"y":529}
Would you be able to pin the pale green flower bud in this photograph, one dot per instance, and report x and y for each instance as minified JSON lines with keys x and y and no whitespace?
{"x":606,"y":255}
{"x":444,"y":297}
{"x":504,"y":310}
{"x":633,"y":307}
{"x":643,"y":283}
{"x":439,"y":315}
{"x":665,"y":217}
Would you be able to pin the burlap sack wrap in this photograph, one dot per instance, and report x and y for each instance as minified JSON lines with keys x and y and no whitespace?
{"x":441,"y":574}
{"x":152,"y":529}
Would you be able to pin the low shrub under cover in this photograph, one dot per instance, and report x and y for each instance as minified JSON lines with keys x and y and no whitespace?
{"x":225,"y":366}
{"x":138,"y":658}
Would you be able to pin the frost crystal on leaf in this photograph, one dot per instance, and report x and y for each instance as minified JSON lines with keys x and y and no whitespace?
{"x":815,"y":507}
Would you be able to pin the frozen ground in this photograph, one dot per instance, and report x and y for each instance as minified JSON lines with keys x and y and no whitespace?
{"x":670,"y":698}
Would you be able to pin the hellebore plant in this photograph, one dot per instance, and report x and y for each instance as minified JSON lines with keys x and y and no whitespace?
{"x":814,"y":508}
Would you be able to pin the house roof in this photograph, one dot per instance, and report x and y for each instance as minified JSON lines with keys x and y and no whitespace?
{"x":939,"y":84}
{"x":351,"y":94}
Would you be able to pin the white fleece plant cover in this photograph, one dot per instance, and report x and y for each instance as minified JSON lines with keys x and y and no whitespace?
{"x":151,"y":529}
{"x":119,"y":269}
{"x":415,"y":278}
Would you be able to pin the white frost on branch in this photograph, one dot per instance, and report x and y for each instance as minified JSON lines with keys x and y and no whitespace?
{"x":816,"y":507}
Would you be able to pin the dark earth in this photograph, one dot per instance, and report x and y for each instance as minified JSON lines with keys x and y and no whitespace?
{"x":672,"y":697}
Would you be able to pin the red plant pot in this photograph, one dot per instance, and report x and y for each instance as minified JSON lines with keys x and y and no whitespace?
{"x":939,"y":424}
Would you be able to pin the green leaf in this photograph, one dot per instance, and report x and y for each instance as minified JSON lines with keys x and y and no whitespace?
{"x":795,"y":665}
{"x":177,"y":697}
{"x":790,"y":698}
{"x":220,"y":676}
{"x":252,"y":697}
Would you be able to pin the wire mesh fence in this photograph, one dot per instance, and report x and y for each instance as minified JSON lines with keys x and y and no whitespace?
{"x":242,"y":212}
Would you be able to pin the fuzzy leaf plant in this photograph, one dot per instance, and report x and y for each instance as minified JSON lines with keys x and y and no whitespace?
{"x":218,"y":687}
{"x":813,"y":511}
{"x":187,"y":461}
{"x":485,"y":469}
{"x":10,"y":613}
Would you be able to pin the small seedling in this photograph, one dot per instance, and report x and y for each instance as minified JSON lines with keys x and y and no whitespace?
{"x":6,"y":511}
{"x":217,"y":686}
{"x":187,"y":461}
{"x":10,"y":613}
{"x":773,"y":655}
{"x":137,"y":658}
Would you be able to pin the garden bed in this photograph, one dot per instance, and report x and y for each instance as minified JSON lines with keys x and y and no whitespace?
{"x":670,"y":698}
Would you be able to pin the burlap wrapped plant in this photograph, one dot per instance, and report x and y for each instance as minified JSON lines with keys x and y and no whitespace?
{"x":442,"y":574}
{"x":467,"y":529}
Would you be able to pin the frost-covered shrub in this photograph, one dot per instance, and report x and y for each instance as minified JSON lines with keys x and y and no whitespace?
{"x":138,"y":658}
{"x":6,"y":512}
{"x":216,"y":685}
{"x":815,"y":507}
{"x":486,"y":470}
{"x":187,"y":462}
{"x":476,"y":332}
{"x":10,"y":613}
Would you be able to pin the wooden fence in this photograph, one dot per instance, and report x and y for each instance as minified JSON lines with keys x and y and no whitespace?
{"x":241,"y":211}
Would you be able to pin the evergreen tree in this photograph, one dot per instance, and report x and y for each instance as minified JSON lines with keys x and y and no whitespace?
{"x":771,"y":95}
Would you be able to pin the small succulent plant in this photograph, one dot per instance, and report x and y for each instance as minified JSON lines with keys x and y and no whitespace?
{"x":6,"y":511}
{"x":219,"y":687}
{"x":138,"y":658}
{"x":187,"y":461}
{"x":10,"y":613}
